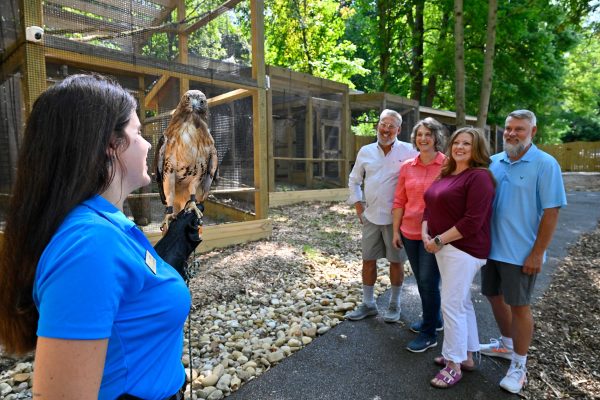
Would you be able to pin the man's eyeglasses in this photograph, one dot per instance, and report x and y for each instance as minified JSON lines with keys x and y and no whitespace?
{"x":388,"y":126}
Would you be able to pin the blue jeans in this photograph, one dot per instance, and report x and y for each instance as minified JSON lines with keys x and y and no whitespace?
{"x":427,"y":274}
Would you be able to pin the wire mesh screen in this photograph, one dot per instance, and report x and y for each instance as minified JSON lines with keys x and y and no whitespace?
{"x":140,"y":44}
{"x":10,"y":24}
{"x":11,"y":126}
{"x":365,"y":111}
{"x":307,"y":139}
{"x":143,"y":32}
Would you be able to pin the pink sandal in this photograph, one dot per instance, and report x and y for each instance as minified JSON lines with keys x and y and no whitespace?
{"x":448,"y":376}
{"x":442,"y":362}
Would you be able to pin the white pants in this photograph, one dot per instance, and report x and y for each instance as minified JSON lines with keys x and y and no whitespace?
{"x":458,"y":269}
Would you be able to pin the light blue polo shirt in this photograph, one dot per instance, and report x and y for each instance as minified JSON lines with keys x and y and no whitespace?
{"x":524,"y":189}
{"x":100,"y":278}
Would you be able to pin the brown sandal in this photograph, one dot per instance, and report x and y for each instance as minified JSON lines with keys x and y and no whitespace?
{"x":441,"y":361}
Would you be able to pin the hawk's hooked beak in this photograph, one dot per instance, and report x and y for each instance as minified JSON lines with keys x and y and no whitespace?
{"x":198,"y":105}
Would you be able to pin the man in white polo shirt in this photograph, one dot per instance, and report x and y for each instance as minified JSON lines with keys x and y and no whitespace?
{"x":377,"y":166}
{"x":529,"y":194}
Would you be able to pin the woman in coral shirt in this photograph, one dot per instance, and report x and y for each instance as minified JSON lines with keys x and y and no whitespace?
{"x":416,"y":175}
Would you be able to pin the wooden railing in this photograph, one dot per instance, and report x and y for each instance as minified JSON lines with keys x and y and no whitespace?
{"x":575,"y":156}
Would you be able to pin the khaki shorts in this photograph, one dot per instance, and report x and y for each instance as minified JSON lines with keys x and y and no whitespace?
{"x":500,"y":278}
{"x":377,"y":243}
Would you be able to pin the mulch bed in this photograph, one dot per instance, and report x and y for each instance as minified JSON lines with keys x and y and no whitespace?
{"x":565,"y":353}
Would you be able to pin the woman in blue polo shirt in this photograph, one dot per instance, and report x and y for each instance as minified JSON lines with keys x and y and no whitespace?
{"x":79,"y":282}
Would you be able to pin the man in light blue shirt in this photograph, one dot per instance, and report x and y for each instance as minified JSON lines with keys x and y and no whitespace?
{"x":377,"y":167}
{"x":529,"y":194}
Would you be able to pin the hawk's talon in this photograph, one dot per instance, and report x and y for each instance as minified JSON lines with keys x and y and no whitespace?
{"x":164,"y":227}
{"x":192,"y":206}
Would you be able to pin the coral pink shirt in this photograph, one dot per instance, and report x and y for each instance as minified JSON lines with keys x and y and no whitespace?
{"x":415,"y":178}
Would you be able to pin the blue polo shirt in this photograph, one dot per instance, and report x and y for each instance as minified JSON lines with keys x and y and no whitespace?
{"x":524,"y":189}
{"x":100,"y":278}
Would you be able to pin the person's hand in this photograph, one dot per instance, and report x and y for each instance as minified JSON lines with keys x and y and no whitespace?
{"x":396,"y":241}
{"x":430,"y":245}
{"x":360,"y":209}
{"x":533,"y":264}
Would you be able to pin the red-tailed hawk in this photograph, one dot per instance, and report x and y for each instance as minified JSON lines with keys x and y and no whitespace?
{"x":186,"y":157}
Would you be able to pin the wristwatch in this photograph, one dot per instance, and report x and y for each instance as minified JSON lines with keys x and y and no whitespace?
{"x":438,"y":241}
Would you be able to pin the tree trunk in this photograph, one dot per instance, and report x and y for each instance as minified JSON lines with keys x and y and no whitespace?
{"x":459,"y":62}
{"x":384,"y":42}
{"x":441,"y":44}
{"x":417,"y":51}
{"x":488,"y":65}
{"x":305,"y":45}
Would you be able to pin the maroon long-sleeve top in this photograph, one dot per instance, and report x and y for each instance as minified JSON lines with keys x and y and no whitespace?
{"x":465,"y":202}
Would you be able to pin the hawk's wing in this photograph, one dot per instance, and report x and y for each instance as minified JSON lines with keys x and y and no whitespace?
{"x":211,"y":171}
{"x":159,"y":160}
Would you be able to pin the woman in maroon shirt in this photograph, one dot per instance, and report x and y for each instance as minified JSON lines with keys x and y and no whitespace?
{"x":456,"y":228}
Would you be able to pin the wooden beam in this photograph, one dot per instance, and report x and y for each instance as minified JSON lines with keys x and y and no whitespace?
{"x":284,"y":198}
{"x":215,"y":210}
{"x":270,"y":142}
{"x":259,"y":109}
{"x":259,"y":136}
{"x":149,"y":99}
{"x":280,"y":77}
{"x":223,"y":235}
{"x":112,"y":10}
{"x":228,"y":97}
{"x":346,"y":136}
{"x":308,"y":142}
{"x":34,"y":64}
{"x":209,"y":16}
{"x":212,"y":102}
{"x":99,"y":64}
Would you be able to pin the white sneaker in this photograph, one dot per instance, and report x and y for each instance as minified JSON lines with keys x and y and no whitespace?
{"x":515,"y":378}
{"x":496,"y":348}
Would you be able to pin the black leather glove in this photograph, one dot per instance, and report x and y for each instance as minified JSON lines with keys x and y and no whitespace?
{"x":180,"y":241}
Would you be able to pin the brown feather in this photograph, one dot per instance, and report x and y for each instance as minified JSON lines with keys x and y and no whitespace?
{"x":189,"y":153}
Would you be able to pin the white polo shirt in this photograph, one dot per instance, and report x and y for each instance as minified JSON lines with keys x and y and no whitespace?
{"x":379,"y":173}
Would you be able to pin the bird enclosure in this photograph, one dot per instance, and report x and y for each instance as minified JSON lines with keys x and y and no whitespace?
{"x":307,"y":137}
{"x":365,"y":109}
{"x":157,"y":50}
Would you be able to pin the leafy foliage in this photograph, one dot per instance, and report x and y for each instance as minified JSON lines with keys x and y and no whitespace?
{"x":547,"y":53}
{"x":306,"y":36}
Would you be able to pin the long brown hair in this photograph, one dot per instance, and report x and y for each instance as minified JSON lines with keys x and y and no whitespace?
{"x":64,"y":160}
{"x":480,"y":153}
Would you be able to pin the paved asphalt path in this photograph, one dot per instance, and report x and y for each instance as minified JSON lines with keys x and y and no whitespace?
{"x":367,"y":360}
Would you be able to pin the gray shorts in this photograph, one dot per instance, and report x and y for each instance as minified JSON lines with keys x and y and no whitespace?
{"x":377,"y":243}
{"x":498,"y":278}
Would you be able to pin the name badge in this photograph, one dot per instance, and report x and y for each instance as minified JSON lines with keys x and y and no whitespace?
{"x":151,"y":262}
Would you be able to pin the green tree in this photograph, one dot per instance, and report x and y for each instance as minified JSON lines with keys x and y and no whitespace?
{"x":580,"y":118}
{"x":307,"y":36}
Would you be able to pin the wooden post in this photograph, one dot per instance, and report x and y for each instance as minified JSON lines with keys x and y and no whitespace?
{"x":259,"y":107}
{"x":308,"y":143}
{"x":184,"y":84}
{"x":345,"y":139}
{"x":270,"y":141}
{"x":140,"y":207}
{"x":34,"y":64}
